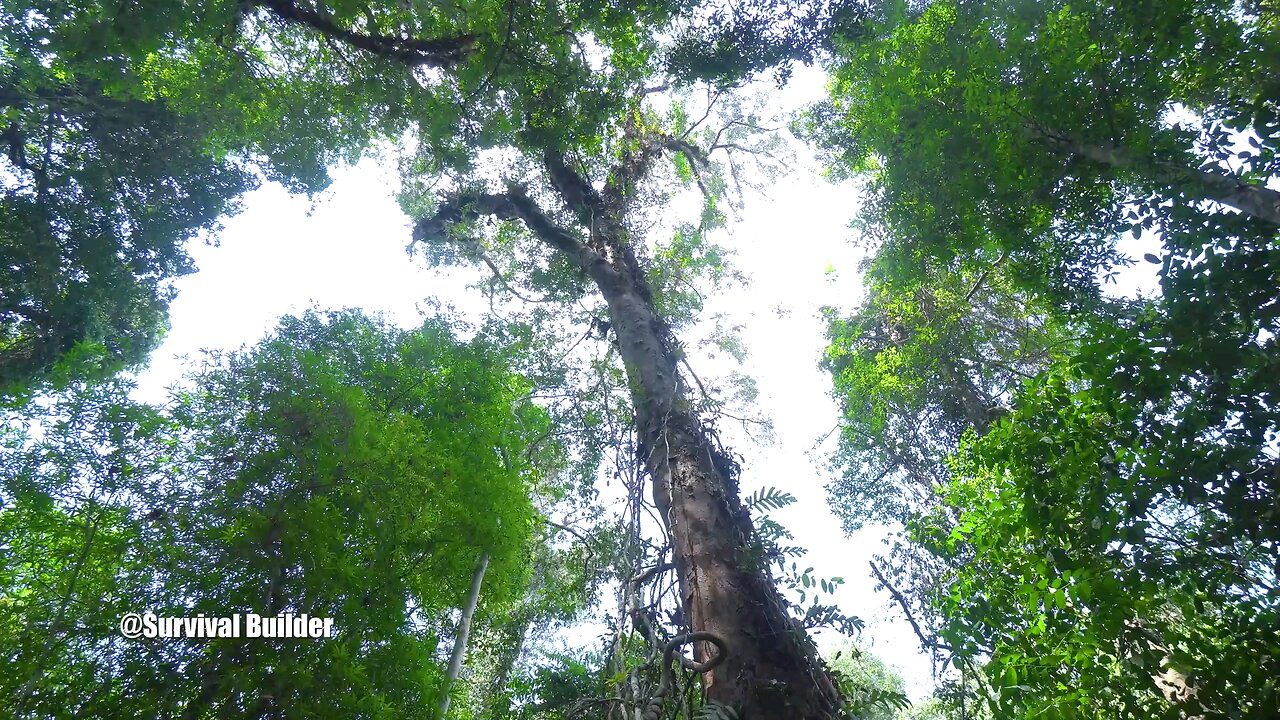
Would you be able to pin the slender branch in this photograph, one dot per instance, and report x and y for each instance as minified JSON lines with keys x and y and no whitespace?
{"x":711,"y":105}
{"x":502,"y":51}
{"x":55,"y":628}
{"x":497,"y":277}
{"x":644,"y":576}
{"x":753,"y":126}
{"x":565,"y":528}
{"x":983,"y":277}
{"x":701,"y":388}
{"x":906,"y":609}
{"x":702,"y":184}
{"x":574,"y":346}
{"x":743,"y":149}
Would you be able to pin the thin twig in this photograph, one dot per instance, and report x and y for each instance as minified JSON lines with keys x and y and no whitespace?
{"x":711,"y":105}
{"x":497,"y":276}
{"x":902,"y":601}
{"x":983,"y":277}
{"x":566,"y":528}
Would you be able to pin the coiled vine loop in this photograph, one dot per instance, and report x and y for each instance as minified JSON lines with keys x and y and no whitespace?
{"x":653,"y":710}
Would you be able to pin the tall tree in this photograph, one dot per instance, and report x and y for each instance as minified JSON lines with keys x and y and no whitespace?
{"x":767,"y":671}
{"x":1100,"y":544}
{"x":564,"y":97}
{"x":326,"y":471}
{"x":558,"y":93}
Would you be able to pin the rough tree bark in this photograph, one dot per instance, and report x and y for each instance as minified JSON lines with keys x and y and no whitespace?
{"x":1254,"y":200}
{"x":772,"y":670}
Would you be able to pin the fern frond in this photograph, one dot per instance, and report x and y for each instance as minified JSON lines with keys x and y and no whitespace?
{"x":770,"y":498}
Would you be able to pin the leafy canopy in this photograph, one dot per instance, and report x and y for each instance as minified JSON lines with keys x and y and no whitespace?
{"x":341,"y":468}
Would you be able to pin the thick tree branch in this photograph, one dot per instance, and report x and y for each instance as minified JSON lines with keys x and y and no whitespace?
{"x":633,"y":166}
{"x":436,"y":52}
{"x":515,"y":204}
{"x":696,"y":155}
{"x":1251,"y":199}
{"x":578,"y":194}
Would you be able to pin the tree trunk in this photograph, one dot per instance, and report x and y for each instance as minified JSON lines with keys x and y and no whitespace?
{"x":460,"y":639}
{"x":509,"y":637}
{"x":771,"y":669}
{"x":971,"y":401}
{"x":1254,"y":200}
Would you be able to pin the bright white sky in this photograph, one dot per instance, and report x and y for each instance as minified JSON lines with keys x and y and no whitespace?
{"x":278,"y":258}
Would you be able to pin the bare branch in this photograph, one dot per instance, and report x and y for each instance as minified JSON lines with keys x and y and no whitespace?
{"x":711,"y":105}
{"x":753,"y":126}
{"x":702,"y":389}
{"x":565,"y":528}
{"x":983,"y":277}
{"x":906,"y":609}
{"x":744,"y":149}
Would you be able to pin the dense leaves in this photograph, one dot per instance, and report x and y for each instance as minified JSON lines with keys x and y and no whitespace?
{"x":728,"y":42}
{"x":101,"y":190}
{"x":131,"y":128}
{"x":341,"y":469}
{"x":1101,"y":540}
{"x":1023,"y":130}
{"x":917,"y":366}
